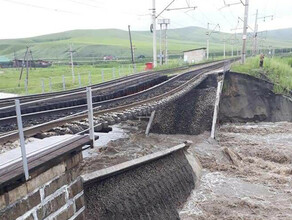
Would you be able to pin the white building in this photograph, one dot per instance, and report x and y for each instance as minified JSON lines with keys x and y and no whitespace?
{"x":195,"y":55}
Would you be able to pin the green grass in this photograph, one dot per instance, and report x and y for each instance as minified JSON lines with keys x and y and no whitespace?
{"x":278,"y":70}
{"x":97,"y":43}
{"x":171,"y":64}
{"x":10,"y":77}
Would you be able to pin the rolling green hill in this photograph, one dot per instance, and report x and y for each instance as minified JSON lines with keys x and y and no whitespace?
{"x":97,"y":43}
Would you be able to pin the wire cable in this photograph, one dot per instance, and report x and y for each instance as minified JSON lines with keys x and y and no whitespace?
{"x":39,"y":7}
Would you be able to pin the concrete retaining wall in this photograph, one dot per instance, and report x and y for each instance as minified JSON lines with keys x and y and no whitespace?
{"x":147,"y":191}
{"x":56,"y":193}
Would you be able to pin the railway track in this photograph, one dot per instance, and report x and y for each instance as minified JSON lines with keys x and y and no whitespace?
{"x":101,"y":92}
{"x":29,"y":98}
{"x":99,"y":88}
{"x":73,"y":102}
{"x":122,"y":104}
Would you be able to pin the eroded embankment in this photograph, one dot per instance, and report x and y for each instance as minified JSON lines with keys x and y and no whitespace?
{"x":249,"y":99}
{"x":191,"y":114}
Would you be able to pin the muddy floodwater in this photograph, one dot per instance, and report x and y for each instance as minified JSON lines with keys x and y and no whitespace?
{"x":246,"y":175}
{"x":247,"y":172}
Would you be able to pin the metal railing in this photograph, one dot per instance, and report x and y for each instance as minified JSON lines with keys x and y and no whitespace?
{"x":90,"y":111}
{"x":64,"y":82}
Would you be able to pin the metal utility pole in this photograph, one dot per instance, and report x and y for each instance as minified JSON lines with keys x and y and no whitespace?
{"x":160,"y":46}
{"x":232,"y":45}
{"x":244,"y":34}
{"x":15,"y":64}
{"x":27,"y":65}
{"x":224,"y":46}
{"x":255,"y":34}
{"x":163,"y":23}
{"x":208,"y":36}
{"x":131,"y":46}
{"x":154,"y":33}
{"x":166,"y":53}
{"x":134,"y":65}
{"x":72,"y":63}
{"x":153,"y":29}
{"x":24,"y":63}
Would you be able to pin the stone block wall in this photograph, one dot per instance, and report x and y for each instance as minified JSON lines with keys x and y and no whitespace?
{"x":56,"y":193}
{"x":154,"y":190}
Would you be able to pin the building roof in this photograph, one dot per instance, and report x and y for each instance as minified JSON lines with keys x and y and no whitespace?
{"x":201,"y":48}
{"x":4,"y":59}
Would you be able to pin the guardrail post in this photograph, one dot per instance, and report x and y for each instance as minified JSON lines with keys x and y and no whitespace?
{"x":21,"y":138}
{"x":114,"y":73}
{"x":64,"y":84}
{"x":26,"y":86}
{"x":89,"y":78}
{"x":90,"y":115}
{"x":150,"y":123}
{"x":50,"y":84}
{"x":43,"y":86}
{"x":79,"y":80}
{"x":102,"y":75}
{"x":216,"y":108}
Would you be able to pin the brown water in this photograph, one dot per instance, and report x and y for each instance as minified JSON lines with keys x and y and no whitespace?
{"x":247,"y":174}
{"x":254,"y":183}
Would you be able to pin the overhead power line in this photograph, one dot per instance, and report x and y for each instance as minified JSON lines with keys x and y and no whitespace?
{"x":85,"y":4}
{"x":165,"y":8}
{"x":38,"y":6}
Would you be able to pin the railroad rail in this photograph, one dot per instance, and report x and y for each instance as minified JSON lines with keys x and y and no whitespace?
{"x":76,"y":97}
{"x":123,"y":107}
{"x":101,"y":92}
{"x":28,"y":98}
{"x":50,"y":113}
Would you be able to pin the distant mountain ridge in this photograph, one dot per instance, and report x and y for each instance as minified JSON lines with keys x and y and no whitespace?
{"x":97,"y":43}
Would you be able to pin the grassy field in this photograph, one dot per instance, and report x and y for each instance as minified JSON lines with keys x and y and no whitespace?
{"x":278,"y":70}
{"x":91,"y":44}
{"x":52,"y":77}
{"x":89,"y":74}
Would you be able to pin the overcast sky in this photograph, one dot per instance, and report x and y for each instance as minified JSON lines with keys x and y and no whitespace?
{"x":26,"y":18}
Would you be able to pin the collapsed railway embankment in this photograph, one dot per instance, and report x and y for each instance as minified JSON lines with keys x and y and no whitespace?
{"x":191,"y":114}
{"x":244,"y":99}
{"x":249,"y":99}
{"x":158,"y":185}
